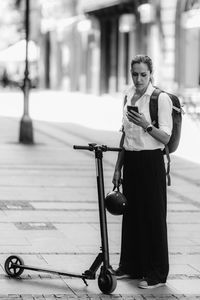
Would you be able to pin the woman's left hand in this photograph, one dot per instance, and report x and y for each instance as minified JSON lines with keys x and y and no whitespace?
{"x":137,"y":118}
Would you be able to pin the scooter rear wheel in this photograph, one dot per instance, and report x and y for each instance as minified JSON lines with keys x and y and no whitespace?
{"x":107,"y":282}
{"x":12,"y":266}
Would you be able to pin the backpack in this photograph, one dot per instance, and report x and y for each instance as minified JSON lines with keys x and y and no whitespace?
{"x":176,"y":121}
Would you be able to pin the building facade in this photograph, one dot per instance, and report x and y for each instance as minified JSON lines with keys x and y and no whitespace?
{"x":91,"y":47}
{"x":117,"y":33}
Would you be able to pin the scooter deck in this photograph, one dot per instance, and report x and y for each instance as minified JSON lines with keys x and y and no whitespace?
{"x":46,"y":270}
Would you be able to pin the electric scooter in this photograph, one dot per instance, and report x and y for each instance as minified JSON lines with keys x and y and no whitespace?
{"x":14,"y":265}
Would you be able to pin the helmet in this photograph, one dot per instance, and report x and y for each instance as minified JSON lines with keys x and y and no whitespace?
{"x":115,"y":202}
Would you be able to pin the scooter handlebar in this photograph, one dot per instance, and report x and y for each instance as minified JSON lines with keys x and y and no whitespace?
{"x":92,"y":147}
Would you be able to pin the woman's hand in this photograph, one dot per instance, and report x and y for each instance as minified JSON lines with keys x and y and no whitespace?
{"x":137,"y":118}
{"x":140,"y":120}
{"x":116,"y":178}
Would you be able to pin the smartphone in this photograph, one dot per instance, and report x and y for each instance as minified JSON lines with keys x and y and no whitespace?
{"x":132,"y":108}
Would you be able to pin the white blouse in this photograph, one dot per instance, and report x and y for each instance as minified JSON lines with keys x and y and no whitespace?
{"x":136,"y":138}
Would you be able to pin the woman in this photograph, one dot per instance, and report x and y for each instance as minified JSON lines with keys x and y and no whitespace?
{"x":144,"y":247}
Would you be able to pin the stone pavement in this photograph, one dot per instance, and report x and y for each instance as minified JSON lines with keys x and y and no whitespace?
{"x":49,"y":216}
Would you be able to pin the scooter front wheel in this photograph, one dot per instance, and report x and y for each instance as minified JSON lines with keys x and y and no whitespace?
{"x":12,"y":266}
{"x":107,"y":282}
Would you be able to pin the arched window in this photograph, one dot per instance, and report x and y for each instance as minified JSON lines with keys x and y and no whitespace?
{"x":192,"y":4}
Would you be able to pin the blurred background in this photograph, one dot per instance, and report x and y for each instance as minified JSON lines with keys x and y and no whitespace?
{"x":85,"y":47}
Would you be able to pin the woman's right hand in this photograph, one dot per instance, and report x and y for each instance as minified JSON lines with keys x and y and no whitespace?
{"x":116,"y":178}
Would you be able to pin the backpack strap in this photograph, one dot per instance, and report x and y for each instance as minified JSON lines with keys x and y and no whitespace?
{"x":153,"y":106}
{"x":153,"y":109}
{"x":125,"y":100}
{"x":168,"y":165}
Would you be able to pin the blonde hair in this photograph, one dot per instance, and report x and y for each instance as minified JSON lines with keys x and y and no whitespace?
{"x":141,"y":58}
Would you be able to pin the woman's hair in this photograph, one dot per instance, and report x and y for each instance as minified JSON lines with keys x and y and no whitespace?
{"x":140,"y":58}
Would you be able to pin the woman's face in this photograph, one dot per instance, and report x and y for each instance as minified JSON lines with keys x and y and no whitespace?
{"x":141,"y":76}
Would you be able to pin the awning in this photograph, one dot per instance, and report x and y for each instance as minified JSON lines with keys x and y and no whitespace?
{"x":93,"y":5}
{"x":17,"y":52}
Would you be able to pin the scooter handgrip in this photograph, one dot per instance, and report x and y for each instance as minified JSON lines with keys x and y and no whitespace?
{"x":77,"y":147}
{"x":114,"y":149}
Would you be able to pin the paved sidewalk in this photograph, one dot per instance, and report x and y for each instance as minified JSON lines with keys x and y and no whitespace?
{"x":49,"y":216}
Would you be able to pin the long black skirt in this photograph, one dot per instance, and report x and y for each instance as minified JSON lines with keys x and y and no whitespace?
{"x":144,"y":247}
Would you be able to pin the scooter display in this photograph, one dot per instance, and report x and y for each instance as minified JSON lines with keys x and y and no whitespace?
{"x":14,"y":264}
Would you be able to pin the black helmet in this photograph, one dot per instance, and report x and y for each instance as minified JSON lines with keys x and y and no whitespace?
{"x":115,"y":202}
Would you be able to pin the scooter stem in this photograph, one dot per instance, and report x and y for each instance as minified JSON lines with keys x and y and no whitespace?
{"x":102,"y":211}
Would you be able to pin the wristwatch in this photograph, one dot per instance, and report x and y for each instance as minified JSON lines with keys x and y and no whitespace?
{"x":149,"y":128}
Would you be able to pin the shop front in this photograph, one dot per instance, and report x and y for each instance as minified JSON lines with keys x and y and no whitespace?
{"x":113,"y":39}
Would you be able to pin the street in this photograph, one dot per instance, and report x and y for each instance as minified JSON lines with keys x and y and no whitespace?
{"x":48,"y":200}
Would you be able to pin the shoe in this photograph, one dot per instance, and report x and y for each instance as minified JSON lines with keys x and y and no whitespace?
{"x":148,"y":283}
{"x":120,"y":274}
